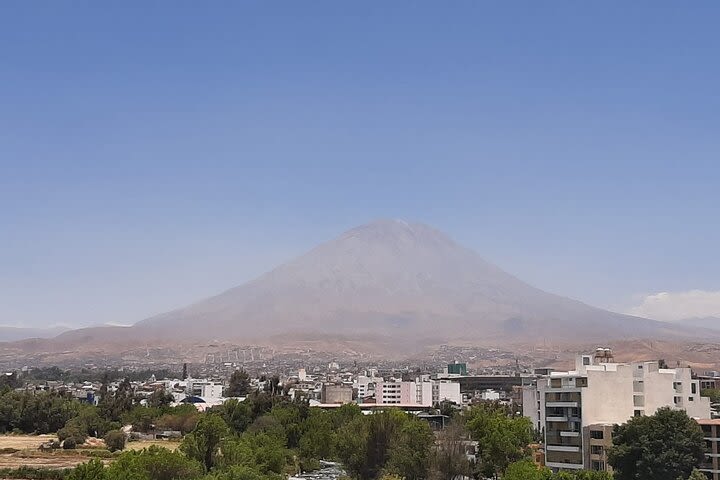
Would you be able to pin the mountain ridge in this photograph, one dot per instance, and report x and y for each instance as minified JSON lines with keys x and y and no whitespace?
{"x":406,"y":282}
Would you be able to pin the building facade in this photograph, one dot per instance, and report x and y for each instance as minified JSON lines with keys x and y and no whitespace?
{"x":711,"y":433}
{"x":340,"y":394}
{"x":576,"y":410}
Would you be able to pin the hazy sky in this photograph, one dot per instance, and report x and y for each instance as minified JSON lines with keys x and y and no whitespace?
{"x":153,"y":153}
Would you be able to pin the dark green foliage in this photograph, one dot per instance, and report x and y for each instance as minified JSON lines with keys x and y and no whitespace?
{"x":160,"y":398}
{"x":263,"y":453}
{"x":712,"y":393}
{"x":87,"y":423}
{"x":153,"y":463}
{"x":389,"y":441}
{"x":527,"y":470}
{"x":238,"y":415}
{"x":239,"y":384}
{"x":92,"y":470}
{"x":502,"y":438}
{"x":113,"y":405}
{"x":203,"y":443}
{"x":33,"y":473}
{"x":450,"y":461}
{"x":272,"y":386}
{"x":664,"y":446}
{"x":318,"y":436}
{"x":115,"y":440}
{"x":69,"y":443}
{"x":36,"y":412}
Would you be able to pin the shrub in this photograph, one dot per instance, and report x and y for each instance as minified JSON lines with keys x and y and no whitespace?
{"x":69,"y":443}
{"x":115,"y":440}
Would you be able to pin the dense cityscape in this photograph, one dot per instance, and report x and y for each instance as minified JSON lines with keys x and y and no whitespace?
{"x":515,"y":424}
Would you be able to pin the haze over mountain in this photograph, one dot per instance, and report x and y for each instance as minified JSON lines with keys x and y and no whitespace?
{"x":401,"y":279}
{"x":10,"y":334}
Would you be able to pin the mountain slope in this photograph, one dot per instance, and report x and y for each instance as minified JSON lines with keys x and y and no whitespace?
{"x":710,"y":323}
{"x":394,"y":278}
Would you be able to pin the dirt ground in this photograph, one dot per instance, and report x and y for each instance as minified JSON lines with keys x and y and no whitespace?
{"x":29,"y":455}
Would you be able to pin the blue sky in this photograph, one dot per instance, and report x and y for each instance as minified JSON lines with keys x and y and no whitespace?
{"x":153,"y":153}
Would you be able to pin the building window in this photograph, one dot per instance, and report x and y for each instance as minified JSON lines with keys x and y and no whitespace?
{"x":694,"y":388}
{"x":581,"y":382}
{"x":596,"y":449}
{"x":637,"y":413}
{"x":597,"y":434}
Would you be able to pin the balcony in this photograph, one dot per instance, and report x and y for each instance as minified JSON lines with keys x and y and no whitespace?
{"x":556,"y":419}
{"x":562,"y":448}
{"x":561,"y":404}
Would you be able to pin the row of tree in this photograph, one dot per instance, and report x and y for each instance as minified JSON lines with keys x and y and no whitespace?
{"x":267,"y":435}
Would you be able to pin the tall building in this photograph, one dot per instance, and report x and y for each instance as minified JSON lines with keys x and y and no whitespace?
{"x":457,"y":368}
{"x":576,"y":410}
{"x":420,"y":392}
{"x":711,"y":433}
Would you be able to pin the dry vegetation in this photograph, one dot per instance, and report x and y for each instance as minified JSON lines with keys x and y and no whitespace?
{"x":22,"y":450}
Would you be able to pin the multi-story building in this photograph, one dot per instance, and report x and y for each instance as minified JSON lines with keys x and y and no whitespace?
{"x":336,"y":394}
{"x":457,"y":368}
{"x":205,"y":389}
{"x":576,"y":410}
{"x":420,"y":392}
{"x":711,"y":433}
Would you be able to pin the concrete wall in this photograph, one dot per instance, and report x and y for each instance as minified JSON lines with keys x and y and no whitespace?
{"x":608,"y":398}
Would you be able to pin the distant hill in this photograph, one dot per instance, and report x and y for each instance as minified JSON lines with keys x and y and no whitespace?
{"x":406,"y":282}
{"x":11,"y":334}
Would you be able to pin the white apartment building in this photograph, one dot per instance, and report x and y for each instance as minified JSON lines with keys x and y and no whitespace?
{"x":576,"y":410}
{"x":443,"y":390}
{"x":205,"y":389}
{"x":365,"y":385}
{"x":419,"y":392}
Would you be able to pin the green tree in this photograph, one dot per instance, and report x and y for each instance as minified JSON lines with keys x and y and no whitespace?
{"x":264,"y":453}
{"x":92,"y":470}
{"x":203,"y":443}
{"x":160,"y":398}
{"x":410,"y":450}
{"x":664,"y":446}
{"x":318,"y":437}
{"x":526,"y":470}
{"x":112,"y":405}
{"x":239,"y":385}
{"x":369,"y":445}
{"x":115,"y":440}
{"x":153,"y":463}
{"x":450,"y":460}
{"x":712,"y":393}
{"x":238,"y":415}
{"x":502,"y":438}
